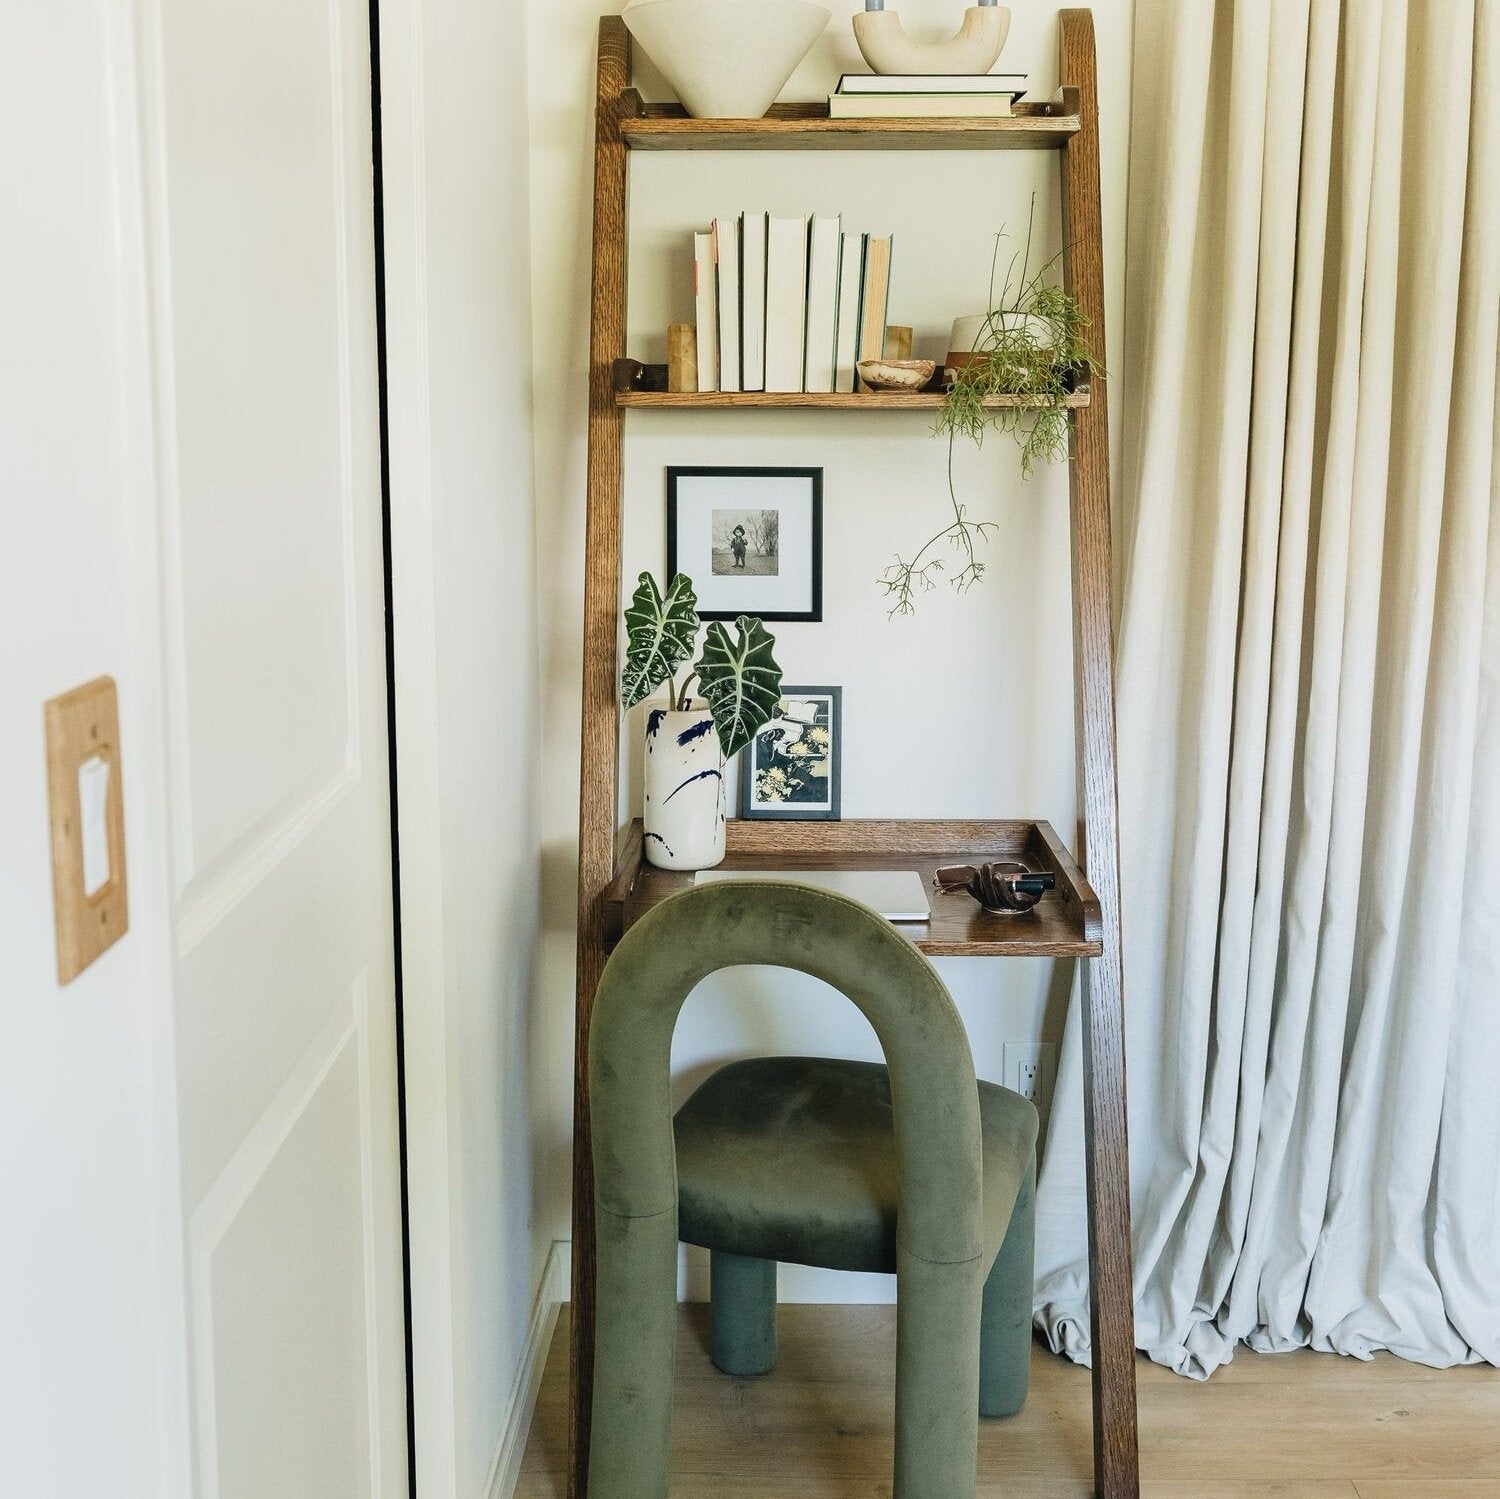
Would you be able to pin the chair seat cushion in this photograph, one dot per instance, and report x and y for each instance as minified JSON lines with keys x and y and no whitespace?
{"x":794,"y":1158}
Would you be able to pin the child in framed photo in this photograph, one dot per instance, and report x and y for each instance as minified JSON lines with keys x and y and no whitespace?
{"x":790,"y":769}
{"x":751,"y":539}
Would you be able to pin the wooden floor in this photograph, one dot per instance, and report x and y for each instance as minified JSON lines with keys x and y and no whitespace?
{"x":1289,"y":1426}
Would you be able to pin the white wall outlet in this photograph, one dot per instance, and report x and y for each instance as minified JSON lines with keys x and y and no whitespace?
{"x":1029,"y":1069}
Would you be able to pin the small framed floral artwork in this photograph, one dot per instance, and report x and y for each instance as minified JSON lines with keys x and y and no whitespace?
{"x":791,"y":768}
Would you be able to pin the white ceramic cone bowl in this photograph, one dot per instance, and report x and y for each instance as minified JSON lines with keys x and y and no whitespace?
{"x":727,"y":59}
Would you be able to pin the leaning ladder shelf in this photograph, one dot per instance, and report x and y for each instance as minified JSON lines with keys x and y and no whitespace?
{"x":1082,"y":918}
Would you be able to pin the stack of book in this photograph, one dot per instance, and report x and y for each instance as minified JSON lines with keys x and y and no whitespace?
{"x":919,"y":96}
{"x":788,"y":304}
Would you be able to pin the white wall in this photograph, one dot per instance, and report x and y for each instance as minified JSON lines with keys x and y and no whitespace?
{"x":90,"y":1374}
{"x":946,"y":715}
{"x":465,"y":612}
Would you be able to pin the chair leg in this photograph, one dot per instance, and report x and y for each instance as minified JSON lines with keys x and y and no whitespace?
{"x":1005,"y":1313}
{"x":743,"y":1313}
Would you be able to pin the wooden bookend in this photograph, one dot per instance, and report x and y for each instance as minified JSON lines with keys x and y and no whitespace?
{"x":682,"y":357}
{"x":897,"y":341}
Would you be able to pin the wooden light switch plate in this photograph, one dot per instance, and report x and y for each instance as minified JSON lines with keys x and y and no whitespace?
{"x":86,"y":804}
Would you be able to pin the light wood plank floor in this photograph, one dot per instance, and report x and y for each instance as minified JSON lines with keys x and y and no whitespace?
{"x":1288,"y":1426}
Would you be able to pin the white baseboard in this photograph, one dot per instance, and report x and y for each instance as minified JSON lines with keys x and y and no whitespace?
{"x":505,"y":1470}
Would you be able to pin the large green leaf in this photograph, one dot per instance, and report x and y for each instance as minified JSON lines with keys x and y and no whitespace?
{"x":659,"y":635}
{"x":740,"y":681}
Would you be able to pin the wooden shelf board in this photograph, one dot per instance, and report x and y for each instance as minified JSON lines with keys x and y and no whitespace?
{"x":640,"y":386}
{"x":806,"y":127}
{"x":661,"y":400}
{"x":1064,"y":924}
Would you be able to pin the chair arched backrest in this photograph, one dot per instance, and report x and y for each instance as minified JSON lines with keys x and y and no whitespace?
{"x":940,"y":1259}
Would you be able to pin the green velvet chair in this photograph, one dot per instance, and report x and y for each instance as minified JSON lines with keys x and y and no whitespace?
{"x":911,"y":1166}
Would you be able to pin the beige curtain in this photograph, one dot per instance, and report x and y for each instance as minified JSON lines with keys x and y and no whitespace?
{"x":1309,"y":689}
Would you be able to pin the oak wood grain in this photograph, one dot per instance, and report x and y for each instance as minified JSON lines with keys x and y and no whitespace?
{"x":646,"y":386}
{"x":1057,"y":927}
{"x":806,"y":127}
{"x":84,"y":725}
{"x":1267,"y":1426}
{"x":1107,"y":1166}
{"x":1428,"y":1488}
{"x":599,"y":751}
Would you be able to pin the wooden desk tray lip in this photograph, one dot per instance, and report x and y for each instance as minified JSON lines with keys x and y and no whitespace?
{"x":1070,"y":916}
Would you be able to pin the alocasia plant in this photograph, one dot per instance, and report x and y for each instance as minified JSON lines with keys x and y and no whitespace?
{"x":659,"y":635}
{"x":738,"y":677}
{"x":740,"y":681}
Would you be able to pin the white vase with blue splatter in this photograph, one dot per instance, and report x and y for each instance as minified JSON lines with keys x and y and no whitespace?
{"x":684,"y":812}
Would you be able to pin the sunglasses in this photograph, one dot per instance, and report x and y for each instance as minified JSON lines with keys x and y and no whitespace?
{"x":1003,"y":888}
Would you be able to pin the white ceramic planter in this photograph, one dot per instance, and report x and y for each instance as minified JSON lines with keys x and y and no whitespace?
{"x":967,"y":330}
{"x":684,"y":811}
{"x":727,"y":59}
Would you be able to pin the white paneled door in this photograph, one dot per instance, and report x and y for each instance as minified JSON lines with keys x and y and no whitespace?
{"x":259,"y":173}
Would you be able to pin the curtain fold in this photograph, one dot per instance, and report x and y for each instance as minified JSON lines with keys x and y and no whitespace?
{"x":1308,"y":665}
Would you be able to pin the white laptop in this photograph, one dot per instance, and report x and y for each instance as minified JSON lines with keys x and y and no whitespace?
{"x":896,"y":894}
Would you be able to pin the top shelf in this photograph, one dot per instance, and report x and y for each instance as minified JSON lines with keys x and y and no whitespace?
{"x":806,"y":127}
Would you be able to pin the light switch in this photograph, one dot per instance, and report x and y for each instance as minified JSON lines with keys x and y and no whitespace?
{"x":93,"y":803}
{"x":87,"y":806}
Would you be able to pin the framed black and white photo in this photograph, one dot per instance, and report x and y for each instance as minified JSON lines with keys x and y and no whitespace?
{"x":791,"y":768}
{"x":751,"y":539}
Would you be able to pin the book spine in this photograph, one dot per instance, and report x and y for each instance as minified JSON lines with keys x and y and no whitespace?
{"x":727,"y":268}
{"x":918,"y":107}
{"x":706,"y":311}
{"x":851,"y":288}
{"x":876,"y":295}
{"x":932,"y":83}
{"x":822,"y":304}
{"x":786,"y":302}
{"x":753,"y":301}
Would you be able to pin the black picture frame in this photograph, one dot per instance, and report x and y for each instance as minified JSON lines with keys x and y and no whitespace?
{"x":682,"y":517}
{"x":753,"y":760}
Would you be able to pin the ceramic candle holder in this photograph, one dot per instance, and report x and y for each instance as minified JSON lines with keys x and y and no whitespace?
{"x":975,"y":49}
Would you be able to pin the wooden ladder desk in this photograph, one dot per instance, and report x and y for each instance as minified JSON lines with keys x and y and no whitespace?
{"x":1082,"y":918}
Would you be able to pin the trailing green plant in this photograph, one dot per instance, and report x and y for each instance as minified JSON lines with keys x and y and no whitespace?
{"x":1031,"y":344}
{"x":737,"y":675}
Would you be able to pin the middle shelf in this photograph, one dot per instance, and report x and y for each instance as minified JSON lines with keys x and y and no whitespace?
{"x":638,"y":386}
{"x":1065,"y":924}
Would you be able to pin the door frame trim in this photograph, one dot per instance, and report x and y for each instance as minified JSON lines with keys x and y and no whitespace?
{"x":377,"y":152}
{"x":428,"y":1099}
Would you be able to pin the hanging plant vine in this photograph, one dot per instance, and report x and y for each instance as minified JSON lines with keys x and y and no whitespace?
{"x":1031,"y":344}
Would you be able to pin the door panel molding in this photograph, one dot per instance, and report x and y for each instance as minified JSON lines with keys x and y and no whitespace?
{"x":294,"y":478}
{"x":346,"y":1034}
{"x":209,"y":897}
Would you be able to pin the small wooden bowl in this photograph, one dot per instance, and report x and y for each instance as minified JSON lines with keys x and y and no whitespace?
{"x":909,"y":375}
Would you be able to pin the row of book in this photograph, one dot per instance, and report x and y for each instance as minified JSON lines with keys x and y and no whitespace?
{"x":908,"y":96}
{"x":788,"y":304}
